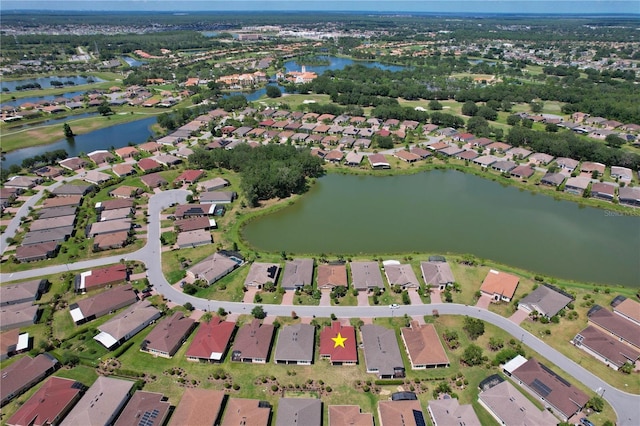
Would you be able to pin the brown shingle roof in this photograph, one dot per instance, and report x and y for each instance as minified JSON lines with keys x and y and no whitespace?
{"x":332,"y":275}
{"x":168,"y":335}
{"x":616,"y":325}
{"x":629,"y":308}
{"x":404,"y":412}
{"x":606,"y":346}
{"x":423,"y":345}
{"x":52,"y":400}
{"x":198,"y":407}
{"x":500,"y":283}
{"x":144,"y":405}
{"x":240,"y":411}
{"x":341,"y":415}
{"x":253,"y":341}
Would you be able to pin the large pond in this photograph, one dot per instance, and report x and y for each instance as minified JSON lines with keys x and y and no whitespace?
{"x":448,"y":211}
{"x":336,"y":63}
{"x":115,"y":136}
{"x":45,"y":82}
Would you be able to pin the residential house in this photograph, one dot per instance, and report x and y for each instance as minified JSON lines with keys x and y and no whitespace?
{"x":13,"y":342}
{"x":116,"y":214}
{"x":54,"y":222}
{"x":298,"y":411}
{"x":145,"y":408}
{"x":437,"y":273}
{"x":22,"y":182}
{"x":110,"y":226}
{"x":101,"y":304}
{"x":57,"y":235}
{"x":213,"y":184}
{"x":522,"y":172}
{"x":605,"y":348}
{"x":407,"y":156}
{"x":125,"y":191}
{"x":211,"y":341}
{"x":381,"y":352}
{"x":153,"y":180}
{"x":378,"y":161}
{"x":554,"y":391}
{"x":423,"y":346}
{"x":96,"y":177}
{"x":628,"y":309}
{"x":49,"y":404}
{"x":48,"y":213}
{"x":403,"y":412}
{"x":72,"y":200}
{"x":214,"y":267}
{"x":101,"y":277}
{"x":24,"y":374}
{"x":622,"y":173}
{"x":552,"y":179}
{"x":198,"y":407}
{"x":590,"y":167}
{"x":101,"y":403}
{"x":168,"y":335}
{"x":332,"y":275}
{"x":467,"y":155}
{"x":262,"y":273}
{"x":509,"y":407}
{"x":546,"y":300}
{"x":341,"y":415}
{"x":114,"y":240}
{"x":241,"y":411}
{"x":72,"y":190}
{"x":338,"y":344}
{"x":123,"y":169}
{"x":18,"y":315}
{"x":189,"y":177}
{"x":366,"y":276}
{"x":623,"y":329}
{"x":72,"y":163}
{"x":194,"y":223}
{"x":629,"y":196}
{"x":295,"y":345}
{"x":569,"y":164}
{"x":499,"y":286}
{"x":195,"y":238}
{"x":353,"y":158}
{"x":194,"y":210}
{"x":126,"y":324}
{"x":114,"y":204}
{"x":485,"y":161}
{"x":603,"y":190}
{"x":24,"y":292}
{"x":35,"y":252}
{"x":167,"y":160}
{"x":503,"y":166}
{"x":540,"y":158}
{"x":400,"y":274}
{"x":253,"y":342}
{"x":518,"y":153}
{"x":217,"y":197}
{"x":577,"y":185}
{"x":148,"y":165}
{"x":449,"y":412}
{"x":126,"y":152}
{"x":297,"y":273}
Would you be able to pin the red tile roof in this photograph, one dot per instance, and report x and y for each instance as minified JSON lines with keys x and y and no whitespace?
{"x":211,"y":338}
{"x":48,"y":403}
{"x":147,"y":164}
{"x":103,"y":276}
{"x":333,"y":345}
{"x":189,"y":176}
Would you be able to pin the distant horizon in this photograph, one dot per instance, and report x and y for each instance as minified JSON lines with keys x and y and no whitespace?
{"x":464,"y":7}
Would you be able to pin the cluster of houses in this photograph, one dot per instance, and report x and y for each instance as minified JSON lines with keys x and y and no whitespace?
{"x":18,"y":309}
{"x":510,"y":407}
{"x":612,"y":337}
{"x":114,"y":96}
{"x":115,"y":401}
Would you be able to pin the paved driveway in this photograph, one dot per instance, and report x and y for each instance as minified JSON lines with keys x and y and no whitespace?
{"x":325,"y":300}
{"x":519,"y":316}
{"x":415,"y":297}
{"x":484,"y":302}
{"x":249,"y":295}
{"x":363,"y":298}
{"x":287,"y":297}
{"x":435,"y":295}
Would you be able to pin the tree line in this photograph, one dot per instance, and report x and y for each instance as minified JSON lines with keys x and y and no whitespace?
{"x":267,"y":171}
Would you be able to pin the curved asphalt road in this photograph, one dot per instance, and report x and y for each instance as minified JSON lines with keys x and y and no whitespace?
{"x":626,"y":405}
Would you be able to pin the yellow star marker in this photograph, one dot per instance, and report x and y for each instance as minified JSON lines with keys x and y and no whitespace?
{"x":338,"y":340}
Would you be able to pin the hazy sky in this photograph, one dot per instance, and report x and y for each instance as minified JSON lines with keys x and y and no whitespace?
{"x":468,"y":6}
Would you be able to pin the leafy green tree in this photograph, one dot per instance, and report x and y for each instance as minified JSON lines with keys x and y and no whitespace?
{"x":472,"y":355}
{"x":614,"y":141}
{"x":273,"y":91}
{"x":258,"y":312}
{"x":474,"y":327}
{"x":469,"y":108}
{"x":383,"y":142}
{"x":487,"y":113}
{"x":513,"y":120}
{"x":68,"y":133}
{"x":434,"y":105}
{"x":596,"y":403}
{"x":188,"y":306}
{"x":104,"y":109}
